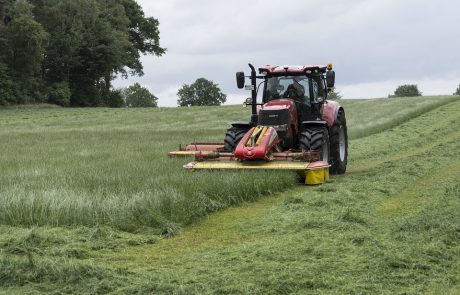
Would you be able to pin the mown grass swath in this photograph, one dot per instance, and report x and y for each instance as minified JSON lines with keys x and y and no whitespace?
{"x":366,"y":117}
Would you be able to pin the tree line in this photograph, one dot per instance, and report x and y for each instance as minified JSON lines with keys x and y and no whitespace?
{"x":408,"y":90}
{"x":68,"y":52}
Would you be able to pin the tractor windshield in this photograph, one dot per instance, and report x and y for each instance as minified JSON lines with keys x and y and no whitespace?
{"x":295,"y":87}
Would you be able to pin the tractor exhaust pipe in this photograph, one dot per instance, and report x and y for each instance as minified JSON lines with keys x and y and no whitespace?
{"x":254,"y":117}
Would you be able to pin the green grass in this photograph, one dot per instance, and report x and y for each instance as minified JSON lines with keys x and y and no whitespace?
{"x":390,"y":225}
{"x":109,"y":167}
{"x":366,"y":117}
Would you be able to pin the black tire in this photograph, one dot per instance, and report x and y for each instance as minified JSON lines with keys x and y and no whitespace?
{"x":339,"y":145}
{"x":233,"y":137}
{"x":315,"y":139}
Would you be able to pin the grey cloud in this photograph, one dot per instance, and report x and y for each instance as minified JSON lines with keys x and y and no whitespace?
{"x":368,"y":41}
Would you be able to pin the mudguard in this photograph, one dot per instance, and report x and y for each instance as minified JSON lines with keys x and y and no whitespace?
{"x":317,"y":123}
{"x":330,"y":111}
{"x":241,"y":124}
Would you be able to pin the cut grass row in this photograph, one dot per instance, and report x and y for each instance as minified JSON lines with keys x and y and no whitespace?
{"x":95,"y":167}
{"x":388,"y":226}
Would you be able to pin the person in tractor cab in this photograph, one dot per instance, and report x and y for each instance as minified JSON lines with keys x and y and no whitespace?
{"x":294,"y":91}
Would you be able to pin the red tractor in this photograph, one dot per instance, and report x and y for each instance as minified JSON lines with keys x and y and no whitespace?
{"x":295,"y":127}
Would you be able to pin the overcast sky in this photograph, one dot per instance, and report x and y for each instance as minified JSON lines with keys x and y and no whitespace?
{"x":375,"y":45}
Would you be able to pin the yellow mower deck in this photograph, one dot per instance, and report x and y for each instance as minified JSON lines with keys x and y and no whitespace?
{"x":314,"y":173}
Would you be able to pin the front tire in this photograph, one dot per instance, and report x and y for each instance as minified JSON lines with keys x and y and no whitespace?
{"x":339,"y":145}
{"x":233,"y":137}
{"x":315,"y":139}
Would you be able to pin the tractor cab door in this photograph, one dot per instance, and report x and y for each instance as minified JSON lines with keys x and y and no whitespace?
{"x":316,"y":95}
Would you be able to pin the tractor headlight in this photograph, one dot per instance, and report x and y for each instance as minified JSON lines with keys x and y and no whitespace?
{"x":281,"y":128}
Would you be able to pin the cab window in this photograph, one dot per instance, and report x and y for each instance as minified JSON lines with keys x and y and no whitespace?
{"x":295,"y":87}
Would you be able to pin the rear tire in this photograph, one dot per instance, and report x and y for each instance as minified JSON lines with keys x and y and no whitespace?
{"x":233,"y":137}
{"x":315,"y":139}
{"x":339,"y":145}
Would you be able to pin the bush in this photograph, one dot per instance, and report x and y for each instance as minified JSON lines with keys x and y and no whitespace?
{"x":137,"y":96}
{"x":458,"y":91}
{"x":406,"y":91}
{"x":116,"y":99}
{"x":59,"y":93}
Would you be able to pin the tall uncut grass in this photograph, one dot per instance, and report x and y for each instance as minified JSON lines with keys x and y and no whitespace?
{"x":110,"y":166}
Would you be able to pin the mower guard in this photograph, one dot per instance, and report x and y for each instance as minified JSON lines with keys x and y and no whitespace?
{"x":314,"y":173}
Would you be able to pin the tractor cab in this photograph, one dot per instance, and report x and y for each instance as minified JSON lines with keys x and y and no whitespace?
{"x":307,"y":93}
{"x":291,"y":95}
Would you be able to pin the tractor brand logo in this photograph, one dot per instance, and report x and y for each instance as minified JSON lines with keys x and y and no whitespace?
{"x":273,"y":116}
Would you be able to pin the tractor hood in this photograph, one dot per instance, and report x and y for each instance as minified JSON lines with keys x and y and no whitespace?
{"x":279,"y":104}
{"x":278,"y":112}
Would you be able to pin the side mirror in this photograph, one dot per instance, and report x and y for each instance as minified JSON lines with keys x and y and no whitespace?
{"x":330,"y":79}
{"x":240,"y":79}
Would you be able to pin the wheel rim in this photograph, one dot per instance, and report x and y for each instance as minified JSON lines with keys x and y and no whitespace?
{"x":342,"y":144}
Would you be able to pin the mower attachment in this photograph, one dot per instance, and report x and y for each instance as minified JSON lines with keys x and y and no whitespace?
{"x":211,"y":156}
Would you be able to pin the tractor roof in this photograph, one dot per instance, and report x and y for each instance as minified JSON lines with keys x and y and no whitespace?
{"x":294,"y":70}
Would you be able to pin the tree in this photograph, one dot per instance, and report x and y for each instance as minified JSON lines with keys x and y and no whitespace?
{"x":137,"y":96}
{"x":406,"y":91}
{"x":23,"y":51}
{"x":88,"y":47}
{"x":51,"y":47}
{"x":334,"y":95}
{"x":115,"y":99}
{"x":92,"y":41}
{"x":201,"y":93}
{"x":144,"y":36}
{"x":5,"y":11}
{"x":59,"y":93}
{"x":8,"y":91}
{"x":458,"y":91}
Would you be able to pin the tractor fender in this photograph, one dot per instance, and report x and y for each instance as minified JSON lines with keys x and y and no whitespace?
{"x":330,"y":110}
{"x":241,"y":124}
{"x":316,"y":123}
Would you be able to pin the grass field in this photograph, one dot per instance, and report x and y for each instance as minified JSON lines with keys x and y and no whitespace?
{"x":86,"y":195}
